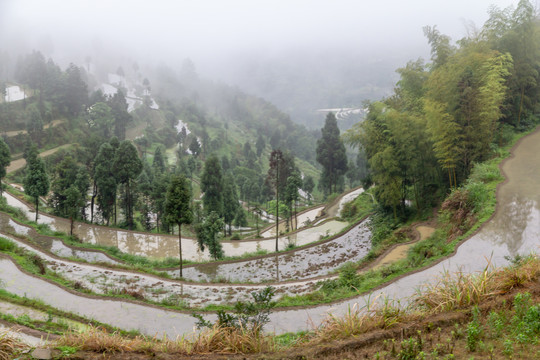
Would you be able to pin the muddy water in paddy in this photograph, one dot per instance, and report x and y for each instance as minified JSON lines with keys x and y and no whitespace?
{"x":162,"y":246}
{"x":301,"y":264}
{"x":124,"y":314}
{"x":514,"y":229}
{"x":9,"y":226}
{"x":102,"y":280}
{"x":309,"y":215}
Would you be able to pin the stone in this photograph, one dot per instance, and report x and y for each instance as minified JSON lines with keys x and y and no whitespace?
{"x":42,"y":354}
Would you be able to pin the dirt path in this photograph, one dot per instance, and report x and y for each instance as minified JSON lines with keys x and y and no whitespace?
{"x":399,"y":252}
{"x":511,"y":231}
{"x":46,"y":126}
{"x":20,"y":163}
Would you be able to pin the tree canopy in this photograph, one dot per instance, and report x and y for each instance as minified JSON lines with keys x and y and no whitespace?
{"x":331,"y":155}
{"x":178,"y":207}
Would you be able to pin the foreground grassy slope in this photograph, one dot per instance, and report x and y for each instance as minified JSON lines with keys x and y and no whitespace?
{"x":494,"y":314}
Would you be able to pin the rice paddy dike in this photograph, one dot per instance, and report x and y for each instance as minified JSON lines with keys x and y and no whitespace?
{"x":292,"y":272}
{"x":513,"y":230}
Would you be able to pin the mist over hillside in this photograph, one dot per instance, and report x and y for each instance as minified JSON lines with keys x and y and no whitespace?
{"x":301,"y":56}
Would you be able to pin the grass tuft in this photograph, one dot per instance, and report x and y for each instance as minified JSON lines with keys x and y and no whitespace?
{"x":213,"y":340}
{"x":9,"y":346}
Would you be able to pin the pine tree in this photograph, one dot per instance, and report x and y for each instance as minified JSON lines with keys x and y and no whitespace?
{"x":212,"y":186}
{"x":36,"y":182}
{"x":159,"y":163}
{"x":127,"y":166}
{"x":5,"y":160}
{"x":230,"y":200}
{"x":274,"y":174}
{"x":331,"y":155}
{"x":177,"y":208}
{"x":105,"y":181}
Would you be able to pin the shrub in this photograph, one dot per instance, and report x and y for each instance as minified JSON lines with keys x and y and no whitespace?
{"x":460,"y":210}
{"x":485,"y":173}
{"x":251,"y":316}
{"x":6,"y":245}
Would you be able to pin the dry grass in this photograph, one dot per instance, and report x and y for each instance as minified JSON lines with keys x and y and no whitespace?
{"x":231,"y":340}
{"x":98,"y":340}
{"x":527,"y":269}
{"x":213,"y":340}
{"x":377,"y":314}
{"x":464,"y":290}
{"x":9,"y":346}
{"x":457,"y":291}
{"x":452,"y":291}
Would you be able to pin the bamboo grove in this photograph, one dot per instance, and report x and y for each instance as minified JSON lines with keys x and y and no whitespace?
{"x":447,"y":115}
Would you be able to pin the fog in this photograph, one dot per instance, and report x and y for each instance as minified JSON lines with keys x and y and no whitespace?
{"x":265,"y":47}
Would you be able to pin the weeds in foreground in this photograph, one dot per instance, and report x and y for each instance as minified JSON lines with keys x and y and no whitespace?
{"x":214,"y":339}
{"x":464,"y":290}
{"x":98,"y":340}
{"x":377,"y":314}
{"x":458,"y":291}
{"x":511,"y":332}
{"x":9,"y":346}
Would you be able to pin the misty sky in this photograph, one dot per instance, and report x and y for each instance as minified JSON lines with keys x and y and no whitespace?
{"x":206,"y":30}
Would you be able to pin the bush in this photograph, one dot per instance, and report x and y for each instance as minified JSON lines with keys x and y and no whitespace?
{"x":484,"y":173}
{"x":478,"y":195}
{"x":6,"y":245}
{"x":459,"y":209}
{"x":250,"y":316}
{"x":381,"y":226}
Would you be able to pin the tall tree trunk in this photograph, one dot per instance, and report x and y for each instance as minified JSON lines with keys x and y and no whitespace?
{"x":295,"y":216}
{"x":257,"y":223}
{"x":37,"y":208}
{"x":128,"y":207}
{"x":94,"y":194}
{"x":180,"y":247}
{"x":521,"y":104}
{"x":277,"y":206}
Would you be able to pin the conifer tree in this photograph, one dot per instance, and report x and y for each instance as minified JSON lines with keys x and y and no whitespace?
{"x":105,"y":181}
{"x":127,"y":166}
{"x":230,"y":200}
{"x":274,"y":174}
{"x":177,"y":207}
{"x":212,"y":186}
{"x":331,"y":155}
{"x":36,"y":182}
{"x":5,"y":160}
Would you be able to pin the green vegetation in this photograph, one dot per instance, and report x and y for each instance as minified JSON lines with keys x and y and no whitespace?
{"x":248,"y":316}
{"x":331,"y":155}
{"x":358,"y":208}
{"x":436,"y":142}
{"x":177,"y":208}
{"x":36,"y":181}
{"x":436,"y":324}
{"x":5,"y":160}
{"x":465,"y":209}
{"x":447,"y":116}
